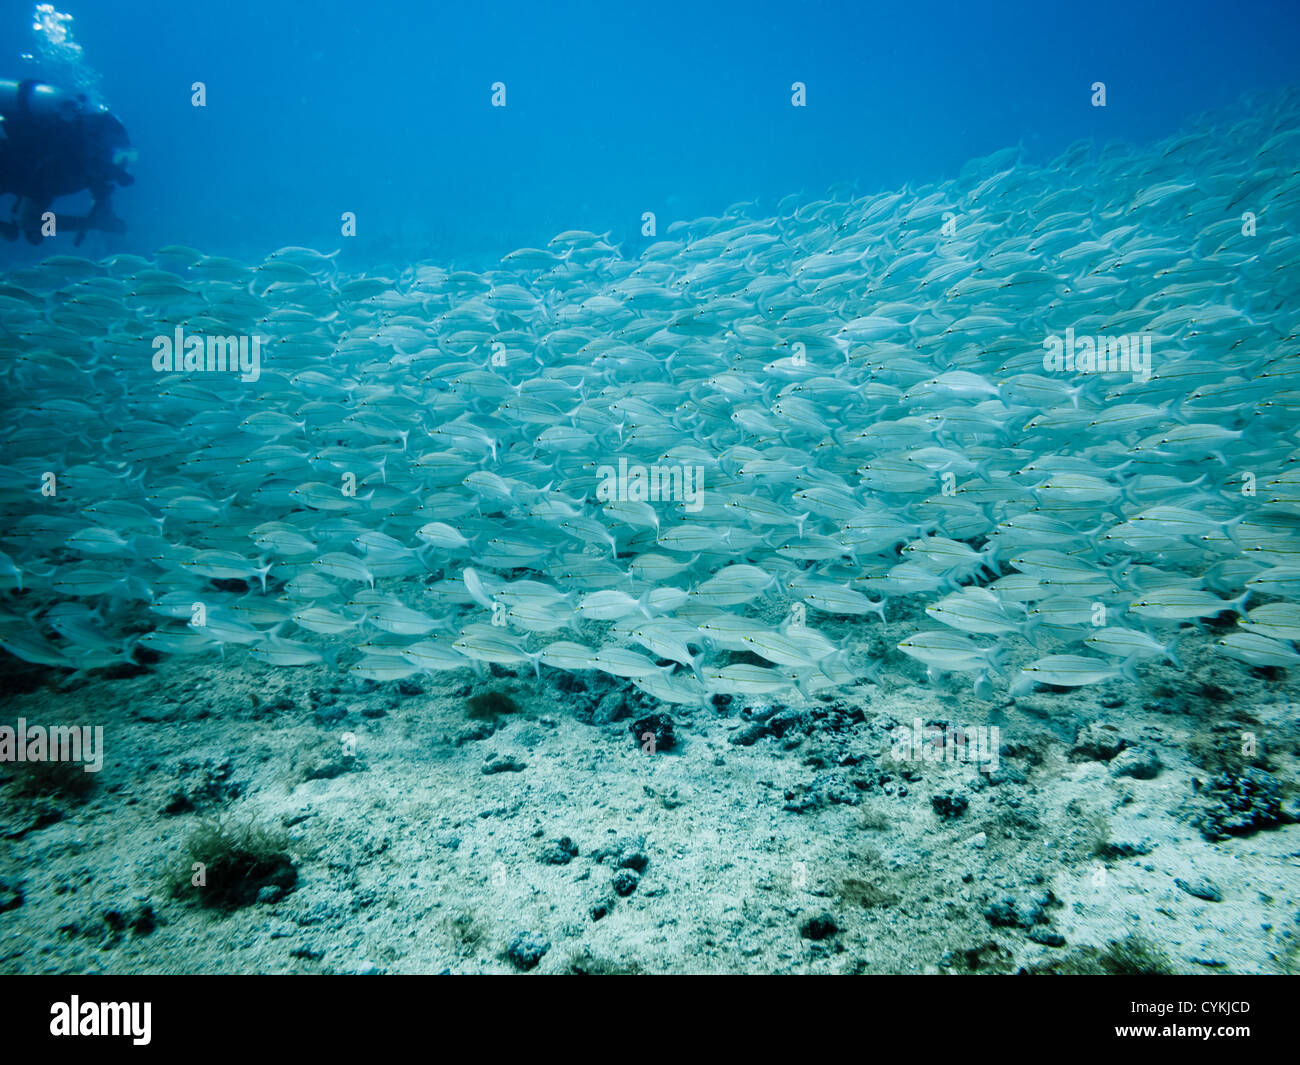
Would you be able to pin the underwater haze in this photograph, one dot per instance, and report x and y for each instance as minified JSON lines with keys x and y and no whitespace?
{"x":802,"y":488}
{"x":614,"y":109}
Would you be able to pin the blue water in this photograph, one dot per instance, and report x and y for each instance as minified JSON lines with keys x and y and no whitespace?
{"x":680,"y":108}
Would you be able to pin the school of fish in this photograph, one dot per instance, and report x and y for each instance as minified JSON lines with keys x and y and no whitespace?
{"x":715,"y":467}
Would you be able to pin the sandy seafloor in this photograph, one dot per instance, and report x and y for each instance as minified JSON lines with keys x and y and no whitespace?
{"x":808,"y":851}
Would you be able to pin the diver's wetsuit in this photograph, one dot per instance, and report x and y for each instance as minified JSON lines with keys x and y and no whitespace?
{"x":55,"y":144}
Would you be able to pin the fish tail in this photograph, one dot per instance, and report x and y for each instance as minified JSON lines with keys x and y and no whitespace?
{"x":1239,"y":603}
{"x":1116,"y":574}
{"x":1027,"y":632}
{"x":800,"y":684}
{"x":1170,"y":650}
{"x":1128,"y":669}
{"x":989,"y":558}
{"x":1230,"y":530}
{"x":995,"y":659}
{"x":474,"y":585}
{"x":643,"y":604}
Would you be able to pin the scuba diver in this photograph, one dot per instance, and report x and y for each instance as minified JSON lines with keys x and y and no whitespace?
{"x":55,"y":144}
